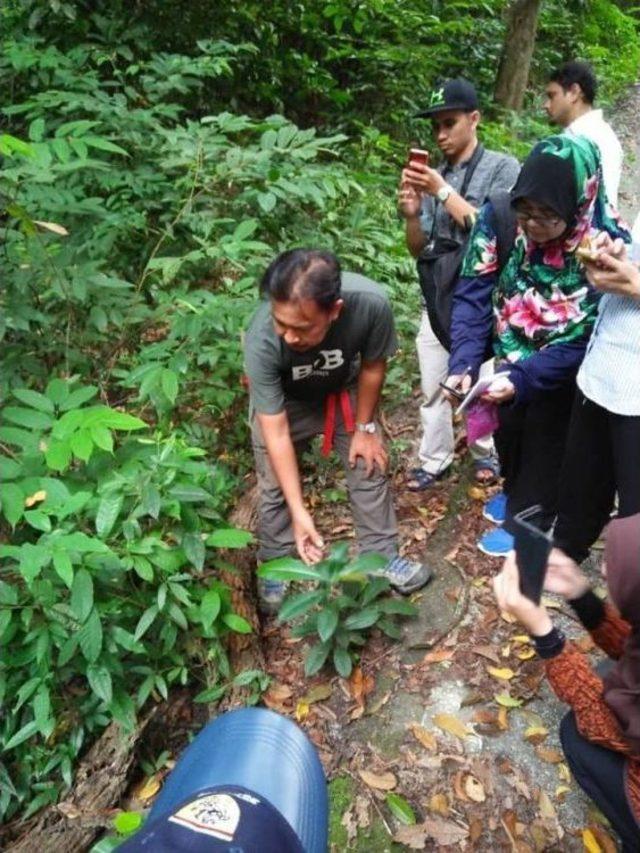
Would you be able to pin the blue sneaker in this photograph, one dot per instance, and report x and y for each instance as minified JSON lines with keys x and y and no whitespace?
{"x":271,"y":594}
{"x":405,"y":575}
{"x":496,"y":543}
{"x":495,"y":509}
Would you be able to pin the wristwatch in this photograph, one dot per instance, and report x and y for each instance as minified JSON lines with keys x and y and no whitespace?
{"x":443,"y":193}
{"x":370,"y":427}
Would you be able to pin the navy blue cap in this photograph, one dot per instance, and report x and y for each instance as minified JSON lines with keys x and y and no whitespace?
{"x":456,"y":94}
{"x":225,"y":819}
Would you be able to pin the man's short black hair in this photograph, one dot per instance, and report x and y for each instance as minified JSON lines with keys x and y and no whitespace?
{"x":578,"y":72}
{"x":303,"y":274}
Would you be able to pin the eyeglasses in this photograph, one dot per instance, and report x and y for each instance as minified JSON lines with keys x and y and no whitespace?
{"x":543,"y":221}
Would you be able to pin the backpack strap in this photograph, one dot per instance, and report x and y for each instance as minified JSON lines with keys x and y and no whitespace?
{"x":478,"y":151}
{"x":505,"y":225}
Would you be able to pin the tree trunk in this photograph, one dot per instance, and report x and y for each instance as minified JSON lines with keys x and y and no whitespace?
{"x":513,"y":71}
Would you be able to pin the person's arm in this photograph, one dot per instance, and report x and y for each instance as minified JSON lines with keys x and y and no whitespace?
{"x":547,"y":369}
{"x":369,"y":445}
{"x":565,"y":577}
{"x":574,"y":682}
{"x":427,"y":180}
{"x":282,"y":455}
{"x":615,"y":275}
{"x":568,"y":669}
{"x":472,"y":311}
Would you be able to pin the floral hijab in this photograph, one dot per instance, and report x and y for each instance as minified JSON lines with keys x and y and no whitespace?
{"x":542,"y":296}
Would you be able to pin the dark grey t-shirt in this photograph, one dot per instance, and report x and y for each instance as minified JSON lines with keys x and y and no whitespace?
{"x":363,"y":331}
{"x":494,"y":171}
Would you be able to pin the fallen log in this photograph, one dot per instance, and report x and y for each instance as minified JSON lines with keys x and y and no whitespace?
{"x":100,"y":782}
{"x":245,"y":650}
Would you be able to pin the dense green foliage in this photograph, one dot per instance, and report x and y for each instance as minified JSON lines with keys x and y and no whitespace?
{"x":154,"y":157}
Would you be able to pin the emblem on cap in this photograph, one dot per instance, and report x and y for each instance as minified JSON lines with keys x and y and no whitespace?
{"x":437,"y":97}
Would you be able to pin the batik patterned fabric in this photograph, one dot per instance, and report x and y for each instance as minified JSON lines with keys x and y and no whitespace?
{"x":542,"y":296}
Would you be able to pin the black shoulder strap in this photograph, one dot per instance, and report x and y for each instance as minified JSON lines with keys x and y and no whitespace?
{"x":504,"y":220}
{"x":471,"y":167}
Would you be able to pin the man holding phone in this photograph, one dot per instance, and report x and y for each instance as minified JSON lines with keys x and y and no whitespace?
{"x":439,"y":204}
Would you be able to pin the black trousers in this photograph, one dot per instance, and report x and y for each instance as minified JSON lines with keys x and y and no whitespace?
{"x":531,"y":442}
{"x":602,"y":457}
{"x":600,"y":773}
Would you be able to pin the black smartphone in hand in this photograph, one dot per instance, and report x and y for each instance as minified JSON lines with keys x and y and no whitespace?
{"x":532,"y":546}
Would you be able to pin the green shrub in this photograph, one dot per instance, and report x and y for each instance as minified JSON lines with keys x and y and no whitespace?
{"x":346,"y":601}
{"x":109,"y":591}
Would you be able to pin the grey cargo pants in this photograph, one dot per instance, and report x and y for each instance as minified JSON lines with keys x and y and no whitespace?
{"x":370,"y":497}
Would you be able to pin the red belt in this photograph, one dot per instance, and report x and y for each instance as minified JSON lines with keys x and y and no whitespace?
{"x":330,"y":418}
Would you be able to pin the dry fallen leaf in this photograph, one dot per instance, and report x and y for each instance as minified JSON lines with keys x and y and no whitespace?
{"x":302,"y":711}
{"x":536,"y":734}
{"x":439,"y":803}
{"x":147,"y":789}
{"x":349,"y":822}
{"x":561,"y":792}
{"x":35,"y":498}
{"x":426,"y":738}
{"x":507,"y":701}
{"x":564,"y":774}
{"x":603,"y":839}
{"x":452,"y":725}
{"x":380,"y":781}
{"x":526,"y":654}
{"x":414,"y":837}
{"x":438,"y":656}
{"x":504,"y":673}
{"x":486,"y":652}
{"x":551,"y":756}
{"x":318,"y":693}
{"x":362,"y":811}
{"x":277,"y":697}
{"x":521,"y":639}
{"x":474,"y":789}
{"x":503,"y":720}
{"x":445,"y":831}
{"x":547,"y":809}
{"x":589,"y":841}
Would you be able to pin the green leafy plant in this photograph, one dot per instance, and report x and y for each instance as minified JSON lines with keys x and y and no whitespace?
{"x":347,"y":600}
{"x":108,"y":591}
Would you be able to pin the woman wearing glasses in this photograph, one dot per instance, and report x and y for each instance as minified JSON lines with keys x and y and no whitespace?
{"x":538,"y":314}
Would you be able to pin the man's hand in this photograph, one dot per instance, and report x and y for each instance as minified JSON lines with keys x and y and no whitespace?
{"x":614,"y":275}
{"x":460,"y":383}
{"x":506,"y":587}
{"x":308,"y":541}
{"x":564,"y":576}
{"x":408,"y":200}
{"x":370,"y":447}
{"x":423,"y":178}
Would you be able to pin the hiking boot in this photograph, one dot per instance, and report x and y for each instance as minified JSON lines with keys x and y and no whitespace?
{"x":405,"y":575}
{"x":271,"y":594}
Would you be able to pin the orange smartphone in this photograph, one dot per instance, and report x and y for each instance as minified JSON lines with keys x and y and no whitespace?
{"x":418,"y":155}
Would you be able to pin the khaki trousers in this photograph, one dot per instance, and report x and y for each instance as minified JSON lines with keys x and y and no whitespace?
{"x":370,"y":497}
{"x":437,"y":443}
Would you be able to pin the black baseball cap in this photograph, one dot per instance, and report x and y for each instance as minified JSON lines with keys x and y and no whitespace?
{"x":456,"y":94}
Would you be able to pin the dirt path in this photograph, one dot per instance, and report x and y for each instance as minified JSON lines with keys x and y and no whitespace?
{"x":478,"y":774}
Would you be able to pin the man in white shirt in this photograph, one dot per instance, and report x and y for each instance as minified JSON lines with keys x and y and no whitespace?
{"x":570,"y":94}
